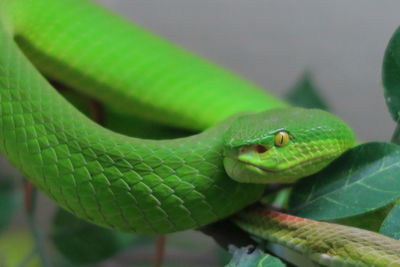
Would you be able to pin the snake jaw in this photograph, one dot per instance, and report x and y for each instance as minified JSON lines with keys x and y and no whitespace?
{"x":282,"y":165}
{"x":244,"y":171}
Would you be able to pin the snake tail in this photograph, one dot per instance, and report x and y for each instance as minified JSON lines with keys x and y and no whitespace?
{"x":324,"y":243}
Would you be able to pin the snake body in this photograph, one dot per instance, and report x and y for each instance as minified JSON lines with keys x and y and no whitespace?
{"x":327,"y":244}
{"x":132,"y":184}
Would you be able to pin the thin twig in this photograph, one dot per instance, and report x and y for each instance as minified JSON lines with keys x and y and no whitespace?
{"x":28,"y":197}
{"x":160,"y":250}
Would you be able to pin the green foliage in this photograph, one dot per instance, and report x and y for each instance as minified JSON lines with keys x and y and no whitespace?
{"x":391,"y":75}
{"x":363,"y":179}
{"x":85,"y":243}
{"x":359,"y":188}
{"x":391,"y":225}
{"x":246,"y":257}
{"x":371,"y":221}
{"x":391,"y":85}
{"x":8,"y":201}
{"x":305,"y":94}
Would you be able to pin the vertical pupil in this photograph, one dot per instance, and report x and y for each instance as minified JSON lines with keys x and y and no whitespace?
{"x":281,"y":139}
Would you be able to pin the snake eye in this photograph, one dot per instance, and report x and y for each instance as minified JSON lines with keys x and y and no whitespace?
{"x":281,"y":139}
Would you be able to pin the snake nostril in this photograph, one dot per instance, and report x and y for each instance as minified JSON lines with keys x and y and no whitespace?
{"x":261,"y":148}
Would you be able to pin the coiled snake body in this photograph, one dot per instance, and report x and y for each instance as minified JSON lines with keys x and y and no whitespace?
{"x":137,"y":185}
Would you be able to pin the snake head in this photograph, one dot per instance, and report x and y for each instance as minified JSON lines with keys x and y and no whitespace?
{"x":283,"y":145}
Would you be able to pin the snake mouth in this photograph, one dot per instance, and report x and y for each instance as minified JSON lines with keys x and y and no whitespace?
{"x":317,"y":159}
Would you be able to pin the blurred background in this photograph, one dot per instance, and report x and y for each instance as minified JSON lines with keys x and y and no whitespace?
{"x":271,"y":43}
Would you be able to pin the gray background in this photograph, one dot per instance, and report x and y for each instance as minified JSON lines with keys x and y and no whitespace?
{"x":272,"y":42}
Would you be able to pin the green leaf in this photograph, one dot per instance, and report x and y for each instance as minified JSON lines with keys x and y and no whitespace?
{"x":391,"y":75}
{"x":85,"y":243}
{"x":370,"y":221}
{"x":363,"y":179}
{"x":8,"y":201}
{"x":223,"y":256}
{"x":305,"y":94}
{"x":391,"y":225}
{"x":246,"y":257}
{"x":396,"y":135}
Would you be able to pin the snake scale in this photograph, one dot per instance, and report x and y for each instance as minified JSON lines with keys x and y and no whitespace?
{"x":248,"y":139}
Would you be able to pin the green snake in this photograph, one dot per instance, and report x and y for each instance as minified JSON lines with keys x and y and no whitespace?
{"x":248,"y":139}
